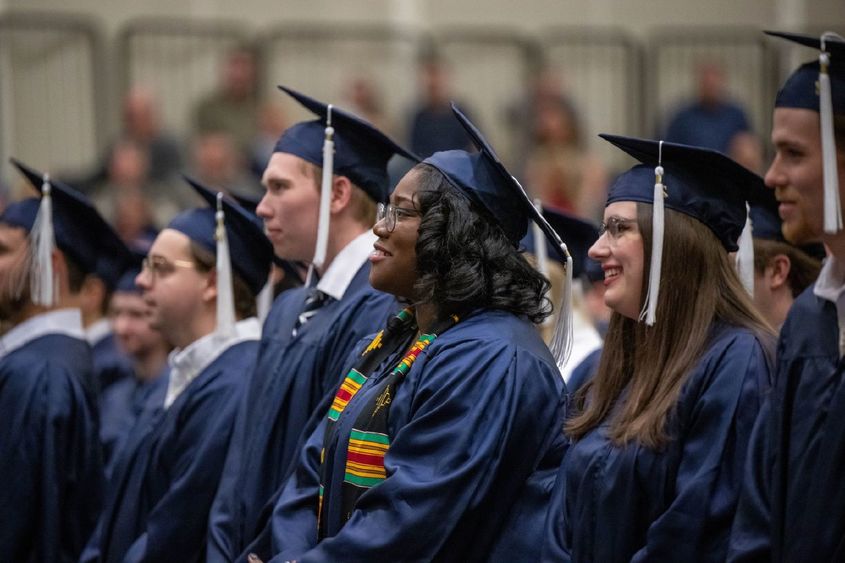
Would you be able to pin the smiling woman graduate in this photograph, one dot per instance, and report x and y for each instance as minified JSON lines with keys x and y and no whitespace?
{"x":660,"y":432}
{"x":435,"y":438}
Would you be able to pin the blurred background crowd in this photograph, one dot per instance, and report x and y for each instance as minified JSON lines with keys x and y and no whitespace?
{"x":119,"y":103}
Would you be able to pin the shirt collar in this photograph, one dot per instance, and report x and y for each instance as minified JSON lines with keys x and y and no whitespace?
{"x":346,"y":264}
{"x":830,"y":284}
{"x":186,"y":364}
{"x":62,"y":321}
{"x":97,"y":331}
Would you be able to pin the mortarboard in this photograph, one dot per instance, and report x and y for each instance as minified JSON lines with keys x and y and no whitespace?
{"x":251,"y":250}
{"x":361,"y":152}
{"x":484,"y":179}
{"x":701,"y":183}
{"x":820,"y":86}
{"x":126,"y":282}
{"x":340,"y":143}
{"x":578,"y":234}
{"x":70,"y":221}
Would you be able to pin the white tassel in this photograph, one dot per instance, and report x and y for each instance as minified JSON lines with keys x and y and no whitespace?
{"x":649,"y":312}
{"x":264,"y":301}
{"x":225,"y":292}
{"x":325,"y":199}
{"x":541,"y":252}
{"x":43,"y":284}
{"x":562,"y":338}
{"x":832,"y":207}
{"x":745,"y":254}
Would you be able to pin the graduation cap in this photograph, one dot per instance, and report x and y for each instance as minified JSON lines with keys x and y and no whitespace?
{"x":65,"y":218}
{"x":484,"y":178}
{"x":698,"y":182}
{"x":343,"y":144}
{"x":578,"y":234}
{"x":126,"y":282}
{"x":236,"y":238}
{"x":820,"y":86}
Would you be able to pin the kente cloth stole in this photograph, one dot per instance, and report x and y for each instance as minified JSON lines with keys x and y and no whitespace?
{"x":369,"y":440}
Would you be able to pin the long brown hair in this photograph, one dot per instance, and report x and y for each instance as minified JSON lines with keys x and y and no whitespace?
{"x":699,"y":286}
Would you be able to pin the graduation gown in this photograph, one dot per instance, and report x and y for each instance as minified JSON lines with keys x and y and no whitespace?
{"x":110,"y":363}
{"x":165,"y":478}
{"x":50,"y":461}
{"x":793,"y":503}
{"x":121,"y":405}
{"x":633,"y":503}
{"x":469,"y":425}
{"x":584,"y":371}
{"x":292,"y":375}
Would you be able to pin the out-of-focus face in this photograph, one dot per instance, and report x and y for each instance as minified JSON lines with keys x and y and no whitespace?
{"x":290,"y":207}
{"x":394,"y":260}
{"x":130,"y":318}
{"x":796,"y":173}
{"x":14,"y":289}
{"x":173,"y":287}
{"x":619,"y":250}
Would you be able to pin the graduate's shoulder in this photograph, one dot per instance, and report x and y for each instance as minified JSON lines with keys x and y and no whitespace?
{"x":494,"y":332}
{"x":54,"y":352}
{"x":809,"y":328}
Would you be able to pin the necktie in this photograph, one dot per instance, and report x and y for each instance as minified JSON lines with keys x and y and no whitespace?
{"x":313,"y":302}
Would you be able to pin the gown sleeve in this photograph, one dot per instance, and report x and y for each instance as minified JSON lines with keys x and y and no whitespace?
{"x":751,"y":533}
{"x":474,"y":410}
{"x":50,"y":463}
{"x":179,"y":518}
{"x":719,"y":419}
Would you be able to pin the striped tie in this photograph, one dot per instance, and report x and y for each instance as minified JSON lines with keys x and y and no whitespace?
{"x":315,"y":300}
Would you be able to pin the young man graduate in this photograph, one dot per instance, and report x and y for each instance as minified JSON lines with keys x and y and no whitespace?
{"x":793,"y":503}
{"x":203,"y":302}
{"x":334,"y":168}
{"x":50,"y":462}
{"x":124,"y":401}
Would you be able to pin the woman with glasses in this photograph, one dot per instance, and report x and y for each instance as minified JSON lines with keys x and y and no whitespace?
{"x":658,"y":435}
{"x":434,"y":446}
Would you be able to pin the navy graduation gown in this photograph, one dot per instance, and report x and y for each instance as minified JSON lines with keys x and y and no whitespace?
{"x":793,"y":502}
{"x":469,"y":425}
{"x":291,"y":377}
{"x":633,"y":503}
{"x":121,"y":405}
{"x":50,"y":462}
{"x":164,"y":480}
{"x":584,"y":371}
{"x":110,"y":363}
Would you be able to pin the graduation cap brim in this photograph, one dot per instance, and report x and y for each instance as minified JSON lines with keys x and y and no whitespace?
{"x":107,"y":253}
{"x":833,"y":46}
{"x":493,"y":159}
{"x":249,"y":246}
{"x":348,"y":123}
{"x":647,"y":152}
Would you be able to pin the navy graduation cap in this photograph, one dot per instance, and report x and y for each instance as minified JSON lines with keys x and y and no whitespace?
{"x":251,"y":251}
{"x":578,"y":234}
{"x":701,"y":183}
{"x":820,"y":86}
{"x":361,"y":152}
{"x":801,"y":89}
{"x":77,"y":228}
{"x":484,"y":178}
{"x":126,"y":282}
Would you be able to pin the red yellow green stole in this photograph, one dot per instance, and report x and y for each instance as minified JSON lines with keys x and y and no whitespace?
{"x":368,"y":439}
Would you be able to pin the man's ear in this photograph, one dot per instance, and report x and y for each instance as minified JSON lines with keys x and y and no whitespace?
{"x":341,"y":194}
{"x":780,"y":266}
{"x":209,"y":290}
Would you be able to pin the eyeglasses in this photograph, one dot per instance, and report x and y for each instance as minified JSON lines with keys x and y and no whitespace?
{"x":390,"y":214}
{"x":616,"y":227}
{"x":159,"y":266}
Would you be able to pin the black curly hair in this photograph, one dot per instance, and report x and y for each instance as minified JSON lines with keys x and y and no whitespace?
{"x":464,"y":259}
